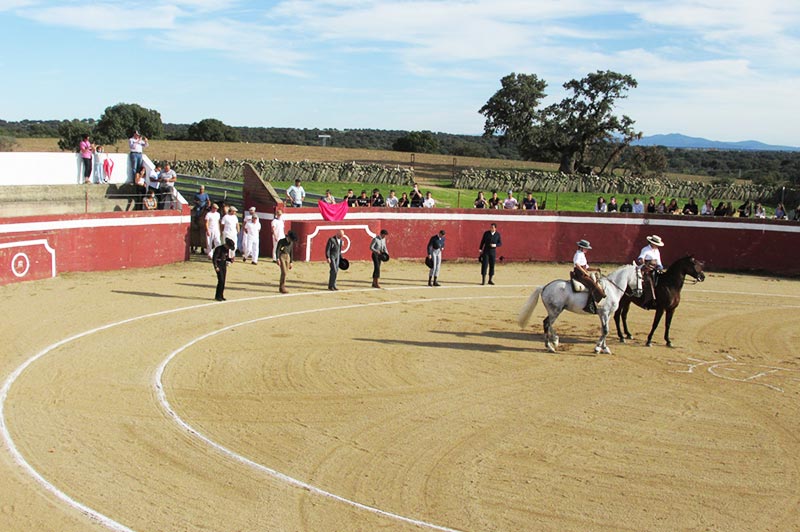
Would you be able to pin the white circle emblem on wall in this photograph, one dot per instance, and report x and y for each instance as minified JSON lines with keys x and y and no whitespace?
{"x":20,"y":265}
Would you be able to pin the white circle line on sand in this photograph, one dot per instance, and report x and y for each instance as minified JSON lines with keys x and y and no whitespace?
{"x":20,"y":460}
{"x":162,"y":397}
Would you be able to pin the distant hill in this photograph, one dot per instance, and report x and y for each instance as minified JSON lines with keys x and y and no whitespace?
{"x":676,"y":140}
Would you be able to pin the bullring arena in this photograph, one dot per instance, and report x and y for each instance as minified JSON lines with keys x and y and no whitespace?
{"x":133,"y":401}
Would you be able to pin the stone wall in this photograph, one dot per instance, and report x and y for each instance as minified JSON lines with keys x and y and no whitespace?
{"x":537,"y":181}
{"x":304,"y":170}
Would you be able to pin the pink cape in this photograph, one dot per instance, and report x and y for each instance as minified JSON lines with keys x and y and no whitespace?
{"x":333,"y":213}
{"x":108,"y":167}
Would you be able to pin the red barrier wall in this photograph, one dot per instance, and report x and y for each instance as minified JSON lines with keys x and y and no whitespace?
{"x":37,"y":247}
{"x":723,"y":243}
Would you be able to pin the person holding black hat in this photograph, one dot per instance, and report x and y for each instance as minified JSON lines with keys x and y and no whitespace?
{"x":581,"y":274}
{"x":379,"y":254}
{"x":285,"y":251}
{"x":488,"y":252}
{"x":220,"y":258}
{"x":333,"y":253}
{"x":435,"y":248}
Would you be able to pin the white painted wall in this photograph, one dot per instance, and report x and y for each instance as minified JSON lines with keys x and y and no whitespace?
{"x":49,"y":168}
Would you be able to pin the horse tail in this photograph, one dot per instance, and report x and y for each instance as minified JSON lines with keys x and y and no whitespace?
{"x":527,"y":309}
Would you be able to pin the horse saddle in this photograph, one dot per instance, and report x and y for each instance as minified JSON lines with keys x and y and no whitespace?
{"x":578,"y":286}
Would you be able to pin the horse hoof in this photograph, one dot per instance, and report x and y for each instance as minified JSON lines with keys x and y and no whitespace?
{"x":597,"y":349}
{"x":621,"y":340}
{"x":607,"y":350}
{"x":669,"y":344}
{"x":649,"y":344}
{"x":629,"y":337}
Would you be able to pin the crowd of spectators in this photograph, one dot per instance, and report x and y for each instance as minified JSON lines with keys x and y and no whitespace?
{"x":746,"y":210}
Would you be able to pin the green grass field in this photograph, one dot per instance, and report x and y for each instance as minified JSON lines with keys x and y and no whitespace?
{"x":434,"y":172}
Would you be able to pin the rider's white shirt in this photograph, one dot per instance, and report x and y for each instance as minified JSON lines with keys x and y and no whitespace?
{"x":650,"y":253}
{"x":580,"y":259}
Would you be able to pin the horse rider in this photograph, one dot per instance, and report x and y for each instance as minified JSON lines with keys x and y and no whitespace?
{"x":581,"y":274}
{"x":649,"y":262}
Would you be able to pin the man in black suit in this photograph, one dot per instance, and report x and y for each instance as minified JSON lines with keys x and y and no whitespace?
{"x":220,"y":258}
{"x":488,"y":249}
{"x":333,"y":253}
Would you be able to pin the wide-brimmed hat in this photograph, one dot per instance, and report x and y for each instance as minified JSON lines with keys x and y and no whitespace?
{"x":343,"y":263}
{"x":655,"y":240}
{"x":584,"y":244}
{"x":384,"y":257}
{"x":429,"y":262}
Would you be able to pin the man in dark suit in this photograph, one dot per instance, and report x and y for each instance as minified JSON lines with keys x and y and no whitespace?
{"x":488,"y":249}
{"x":333,"y":253}
{"x":220,"y":258}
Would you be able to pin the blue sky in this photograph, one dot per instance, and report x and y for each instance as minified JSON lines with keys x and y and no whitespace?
{"x":721,"y":69}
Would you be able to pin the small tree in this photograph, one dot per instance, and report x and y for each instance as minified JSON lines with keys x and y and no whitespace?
{"x":417,"y":142}
{"x":212,"y":130}
{"x":71,"y":132}
{"x":121,"y":120}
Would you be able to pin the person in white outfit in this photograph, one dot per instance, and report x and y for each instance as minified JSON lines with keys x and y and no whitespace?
{"x":649,"y":261}
{"x":212,"y":230}
{"x":252,"y":230}
{"x":230,"y":227}
{"x":278,"y":232}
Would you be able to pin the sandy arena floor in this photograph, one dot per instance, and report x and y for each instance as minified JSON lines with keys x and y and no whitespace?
{"x":133,"y":401}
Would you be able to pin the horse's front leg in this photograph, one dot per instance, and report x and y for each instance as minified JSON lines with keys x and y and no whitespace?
{"x":601,"y":346}
{"x":667,"y":323}
{"x":656,"y":320}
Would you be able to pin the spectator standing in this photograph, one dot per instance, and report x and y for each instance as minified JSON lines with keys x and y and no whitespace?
{"x":480,"y":201}
{"x":377,"y":199}
{"x":392,"y":201}
{"x":153,"y":182}
{"x":167,"y":177}
{"x":529,"y":203}
{"x":429,"y":202}
{"x":690,"y":208}
{"x":285,"y":252}
{"x":510,"y":202}
{"x":626,"y":206}
{"x":745,"y":209}
{"x":230,"y":226}
{"x":85,"y":148}
{"x":601,"y":206}
{"x":213,"y":238}
{"x":329,"y":199}
{"x":379,"y":254}
{"x":137,"y":143}
{"x":149,"y":202}
{"x":488,"y":252}
{"x":278,"y":232}
{"x":404,"y":202}
{"x":252,"y":232}
{"x":140,"y":185}
{"x":220,"y":258}
{"x":612,"y":204}
{"x":296,"y":194}
{"x":673,"y":208}
{"x":333,"y":254}
{"x":638,"y":206}
{"x":415,"y":196}
{"x":362,"y":200}
{"x":435,"y":249}
{"x":99,"y":159}
{"x":494,"y":201}
{"x":350,"y":198}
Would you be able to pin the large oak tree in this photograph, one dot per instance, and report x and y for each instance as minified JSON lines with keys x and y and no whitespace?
{"x":564,"y":131}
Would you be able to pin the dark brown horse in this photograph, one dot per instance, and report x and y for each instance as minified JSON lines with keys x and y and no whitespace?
{"x":668,"y":297}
